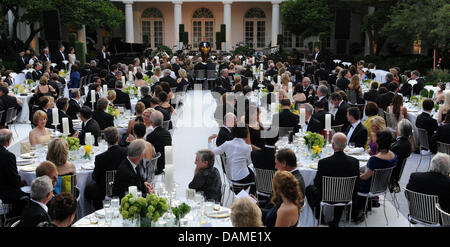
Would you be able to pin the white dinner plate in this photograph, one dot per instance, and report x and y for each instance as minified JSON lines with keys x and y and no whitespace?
{"x":88,"y":166}
{"x":23,"y":162}
{"x":313,"y":166}
{"x":100,"y":213}
{"x":27,"y":156}
{"x":222,"y":213}
{"x":28,"y":168}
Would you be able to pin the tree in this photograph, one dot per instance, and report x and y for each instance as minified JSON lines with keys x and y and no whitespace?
{"x":427,"y":21}
{"x":307,"y":17}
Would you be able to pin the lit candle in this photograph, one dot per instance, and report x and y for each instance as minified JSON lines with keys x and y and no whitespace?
{"x":143,"y":66}
{"x":105,"y":90}
{"x":139,"y":92}
{"x":290,"y":86}
{"x":55,"y":116}
{"x":92,"y":97}
{"x":168,"y":154}
{"x":328,"y":122}
{"x":65,"y":123}
{"x":169,"y":171}
{"x":123,"y":79}
{"x":261,"y":66}
{"x":87,"y":138}
{"x":253,"y":60}
{"x":279,"y":79}
{"x":130,"y":76}
{"x":261,"y":76}
{"x":132,"y":190}
{"x":302,"y":116}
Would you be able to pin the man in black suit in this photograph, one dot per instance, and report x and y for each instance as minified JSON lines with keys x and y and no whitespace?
{"x":318,"y":56}
{"x":167,"y":78}
{"x":111,"y":76}
{"x":308,"y":90}
{"x":285,"y":160}
{"x":146,"y":97}
{"x":225,"y":130}
{"x":322,"y":73}
{"x":100,"y":115}
{"x":8,"y":102}
{"x":37,"y":211}
{"x":402,"y":148}
{"x":60,"y":57}
{"x":128,"y":171}
{"x":103,"y":58}
{"x":356,"y":132}
{"x":384,"y":100}
{"x":45,"y":57}
{"x":337,"y":165}
{"x":340,"y":109}
{"x":199,"y":66}
{"x":223,"y":108}
{"x":210,"y":65}
{"x":37,"y":72}
{"x":74,"y":103}
{"x":286,"y":118}
{"x":10,"y":182}
{"x":320,"y":113}
{"x":219,"y":87}
{"x":372,"y":94}
{"x":159,"y":138}
{"x":322,"y":96}
{"x":62,"y":104}
{"x":420,"y":82}
{"x":107,"y":161}
{"x":311,"y":124}
{"x":225,"y":80}
{"x":22,"y":61}
{"x":435,"y":181}
{"x":442,"y":134}
{"x":425,"y":120}
{"x":265,"y":158}
{"x":122,"y":97}
{"x":89,"y":125}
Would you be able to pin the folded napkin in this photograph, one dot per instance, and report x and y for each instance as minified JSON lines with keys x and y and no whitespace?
{"x":356,"y":150}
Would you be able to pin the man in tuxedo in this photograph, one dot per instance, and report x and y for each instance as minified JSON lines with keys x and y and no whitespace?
{"x":406,"y":89}
{"x":159,"y":138}
{"x":106,"y":161}
{"x":22,"y":61}
{"x":45,"y":57}
{"x":337,"y":165}
{"x":372,"y":94}
{"x":60,"y":57}
{"x":225,"y":130}
{"x":74,"y":103}
{"x":128,"y":174}
{"x":103,"y":58}
{"x":167,"y":78}
{"x":322,"y":73}
{"x":122,"y":97}
{"x":308,"y":90}
{"x":111,"y":76}
{"x":10,"y":181}
{"x":442,"y":134}
{"x":320,"y":113}
{"x":62,"y":104}
{"x":37,"y":211}
{"x":219,"y":87}
{"x":146,"y":97}
{"x":198,"y":67}
{"x":415,"y":75}
{"x":425,"y":120}
{"x":210,"y":65}
{"x":100,"y":115}
{"x":264,"y":158}
{"x":37,"y":72}
{"x":322,"y":95}
{"x":356,"y":132}
{"x":311,"y":124}
{"x":401,"y":147}
{"x":384,"y":100}
{"x":435,"y":181}
{"x":339,"y":110}
{"x":223,"y":108}
{"x":286,"y":118}
{"x":225,"y":80}
{"x":88,"y":125}
{"x":8,"y":102}
{"x":318,"y":56}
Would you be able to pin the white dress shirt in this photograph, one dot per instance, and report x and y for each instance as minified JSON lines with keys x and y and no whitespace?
{"x":238,"y":156}
{"x":352,"y":128}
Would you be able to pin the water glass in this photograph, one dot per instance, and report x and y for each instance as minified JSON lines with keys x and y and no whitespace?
{"x":109,"y":214}
{"x":209,"y":205}
{"x":351,"y":145}
{"x":115,"y":202}
{"x":106,"y":203}
{"x":183,"y":222}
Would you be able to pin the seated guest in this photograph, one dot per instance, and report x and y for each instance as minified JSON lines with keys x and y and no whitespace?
{"x":74,"y":103}
{"x":378,"y":123}
{"x":167,"y":78}
{"x":255,"y":127}
{"x":372,"y":94}
{"x":311,"y":124}
{"x":320,"y":112}
{"x":7,"y":101}
{"x":206,"y":176}
{"x":308,"y":89}
{"x":400,"y":112}
{"x":61,"y":209}
{"x":182,"y":80}
{"x":417,"y":88}
{"x":43,"y":89}
{"x":371,"y":111}
{"x":322,"y":95}
{"x":286,"y":118}
{"x":10,"y":182}
{"x":219,"y":87}
{"x":49,"y":169}
{"x":155,"y":103}
{"x":43,"y":104}
{"x":435,"y":181}
{"x":96,"y":87}
{"x":159,"y":138}
{"x":339,"y":110}
{"x":225,"y":130}
{"x":354,"y":91}
{"x":40,"y":134}
{"x":337,"y":165}
{"x":111,"y":97}
{"x":444,"y":109}
{"x":343,"y":81}
{"x":139,"y":82}
{"x":264,"y":158}
{"x":285,"y":160}
{"x":128,"y":174}
{"x":139,"y":110}
{"x":100,"y":115}
{"x":402,"y":148}
{"x":58,"y":152}
{"x":287,"y":210}
{"x":106,"y":161}
{"x":88,"y":125}
{"x":383,"y":159}
{"x":165,"y":103}
{"x":425,"y":120}
{"x":356,"y":132}
{"x":146,"y":98}
{"x":122,"y":98}
{"x":37,"y":211}
{"x":245,"y":213}
{"x":238,"y":156}
{"x":62,"y":104}
{"x":442,"y":134}
{"x":384,"y":100}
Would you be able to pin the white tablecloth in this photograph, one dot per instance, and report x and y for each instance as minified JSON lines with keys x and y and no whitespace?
{"x":24,"y":114}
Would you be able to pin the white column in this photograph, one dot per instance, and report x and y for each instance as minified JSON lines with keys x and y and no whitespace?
{"x":227,"y":22}
{"x":129,"y":31}
{"x":275,"y":21}
{"x":177,"y":21}
{"x":82,"y":36}
{"x":368,"y":45}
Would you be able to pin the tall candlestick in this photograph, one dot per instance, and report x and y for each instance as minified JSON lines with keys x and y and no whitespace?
{"x":139,"y":92}
{"x":328,"y":122}
{"x":130,"y":76}
{"x":87,"y":138}
{"x":123,"y":79}
{"x":270,"y":78}
{"x":261,"y":76}
{"x":302,"y":116}
{"x":55,"y":116}
{"x":261,"y":66}
{"x":65,"y":123}
{"x":132,"y":190}
{"x":92,"y":97}
{"x":278,"y":79}
{"x":169,"y":171}
{"x":86,"y":90}
{"x":168,"y":154}
{"x":290,"y":86}
{"x":254,"y":70}
{"x":253,"y":60}
{"x":105,"y":90}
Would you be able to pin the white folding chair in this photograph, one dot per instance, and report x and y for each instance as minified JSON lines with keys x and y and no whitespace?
{"x":423,"y":143}
{"x":422,"y":209}
{"x":445,"y":217}
{"x":263,"y":182}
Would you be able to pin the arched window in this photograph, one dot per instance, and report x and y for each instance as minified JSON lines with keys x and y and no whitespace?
{"x":255,"y":28}
{"x":202,"y":27}
{"x":152,"y":27}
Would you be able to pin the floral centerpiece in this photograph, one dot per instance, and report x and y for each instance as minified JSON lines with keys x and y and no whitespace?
{"x":416,"y":100}
{"x":29,"y":83}
{"x":367,"y":82}
{"x":74,"y":143}
{"x":315,"y":142}
{"x":180,"y":211}
{"x":112,"y":111}
{"x":131,"y":90}
{"x":316,"y":152}
{"x":61,"y":73}
{"x":147,"y":79}
{"x":18,"y":89}
{"x":87,"y":152}
{"x":148,"y":209}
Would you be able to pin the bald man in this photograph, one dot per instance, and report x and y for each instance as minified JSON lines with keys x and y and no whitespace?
{"x":337,"y":165}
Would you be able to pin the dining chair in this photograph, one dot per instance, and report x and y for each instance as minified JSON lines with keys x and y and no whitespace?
{"x":110,"y":182}
{"x":443,"y":147}
{"x":422,"y":209}
{"x":263,"y":182}
{"x":423,"y":144}
{"x":445,"y":217}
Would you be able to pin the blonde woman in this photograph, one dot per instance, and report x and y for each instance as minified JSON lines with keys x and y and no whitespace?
{"x":237,"y":80}
{"x":58,"y":152}
{"x":40,"y":134}
{"x":182,"y":80}
{"x":355,"y":86}
{"x":377,"y":124}
{"x":111,"y":97}
{"x":285,"y":79}
{"x":157,"y":75}
{"x":282,"y":95}
{"x":286,"y":212}
{"x":245,"y":213}
{"x":443,"y":110}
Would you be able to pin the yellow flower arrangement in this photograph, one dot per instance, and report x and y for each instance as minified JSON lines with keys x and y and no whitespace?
{"x":18,"y":89}
{"x":88,"y":151}
{"x":61,"y":73}
{"x":316,"y":151}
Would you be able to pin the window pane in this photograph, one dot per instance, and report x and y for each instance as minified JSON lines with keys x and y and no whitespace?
{"x":249,"y":33}
{"x":209,"y":32}
{"x":287,"y":39}
{"x":260,"y":34}
{"x":146,"y":32}
{"x":197,"y":33}
{"x":158,"y":33}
